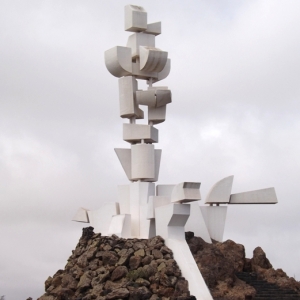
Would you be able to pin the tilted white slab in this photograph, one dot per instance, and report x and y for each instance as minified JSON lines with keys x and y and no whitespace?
{"x":215,"y":217}
{"x":186,"y":192}
{"x":263,"y":196}
{"x":164,"y":189}
{"x":81,"y":215}
{"x":135,"y":18}
{"x":154,"y":202}
{"x":100,"y":219}
{"x":196,"y":223}
{"x":189,"y":269}
{"x":220,"y":191}
{"x":120,"y":226}
{"x":118,"y":61}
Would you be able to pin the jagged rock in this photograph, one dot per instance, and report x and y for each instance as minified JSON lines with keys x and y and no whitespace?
{"x":118,"y":273}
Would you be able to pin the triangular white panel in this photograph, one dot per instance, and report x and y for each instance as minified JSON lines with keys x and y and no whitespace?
{"x":124,"y":156}
{"x":81,"y":215}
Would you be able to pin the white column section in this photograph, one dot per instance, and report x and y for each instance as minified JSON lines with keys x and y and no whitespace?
{"x":142,"y":161}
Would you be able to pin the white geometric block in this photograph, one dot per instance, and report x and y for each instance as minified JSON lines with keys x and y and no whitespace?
{"x":263,"y":196}
{"x":120,"y":225}
{"x":128,"y":105}
{"x":124,"y":156}
{"x":163,"y":97}
{"x":157,"y":115}
{"x":142,"y":74}
{"x":135,"y":18}
{"x":147,"y":98}
{"x":152,"y":59}
{"x":139,"y":39}
{"x":220,"y":191}
{"x":134,"y":133}
{"x":154,"y":202}
{"x":124,"y":198}
{"x":170,"y":220}
{"x":157,"y":158}
{"x":118,"y":61}
{"x":164,"y":73}
{"x":215,"y":217}
{"x":142,"y":161}
{"x":186,"y":192}
{"x":153,"y":28}
{"x":164,"y":190}
{"x":100,"y":218}
{"x":189,"y":269}
{"x":81,"y":215}
{"x":196,"y":223}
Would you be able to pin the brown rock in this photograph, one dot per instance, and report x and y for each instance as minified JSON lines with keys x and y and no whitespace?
{"x":109,"y":258}
{"x":85,"y":281}
{"x":134,"y":262}
{"x":260,"y":259}
{"x":118,"y":272}
{"x":141,"y":293}
{"x":121,"y":293}
{"x":140,"y":252}
{"x":157,"y":254}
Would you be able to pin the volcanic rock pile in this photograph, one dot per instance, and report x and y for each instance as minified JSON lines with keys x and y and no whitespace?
{"x":106,"y":268}
{"x":115,"y":268}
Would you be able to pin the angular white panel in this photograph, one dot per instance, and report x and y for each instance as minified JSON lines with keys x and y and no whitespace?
{"x":135,"y":18}
{"x":164,"y":190}
{"x":196,"y":223}
{"x":134,"y":133}
{"x":153,"y":28}
{"x":220,"y":191}
{"x":156,"y":201}
{"x":215,"y":217}
{"x":263,"y":196}
{"x":81,"y":215}
{"x":120,"y":225}
{"x":186,"y":192}
{"x":152,"y":59}
{"x":157,"y":115}
{"x":157,"y":158}
{"x":164,"y":73}
{"x":170,"y":220}
{"x":118,"y":61}
{"x":124,"y":156}
{"x":100,"y":219}
{"x":140,"y":39}
{"x":124,"y":198}
{"x":142,"y":161}
{"x":163,"y":97}
{"x":128,"y":105}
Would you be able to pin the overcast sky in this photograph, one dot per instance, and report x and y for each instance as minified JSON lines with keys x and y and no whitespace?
{"x":235,"y":85}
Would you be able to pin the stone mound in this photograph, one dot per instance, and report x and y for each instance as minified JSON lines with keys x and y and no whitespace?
{"x":109,"y":268}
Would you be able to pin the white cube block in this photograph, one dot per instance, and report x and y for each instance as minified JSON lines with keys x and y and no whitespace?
{"x":135,"y":18}
{"x":140,"y":39}
{"x":133,"y":133}
{"x":154,"y":28}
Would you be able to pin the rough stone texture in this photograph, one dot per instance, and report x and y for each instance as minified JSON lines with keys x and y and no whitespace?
{"x":261,"y":265}
{"x":107,"y":268}
{"x":103,"y":268}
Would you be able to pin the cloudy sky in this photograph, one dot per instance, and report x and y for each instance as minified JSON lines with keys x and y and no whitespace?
{"x":235,"y":84}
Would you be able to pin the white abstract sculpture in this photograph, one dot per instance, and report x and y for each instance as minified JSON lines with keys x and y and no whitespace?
{"x":143,"y":210}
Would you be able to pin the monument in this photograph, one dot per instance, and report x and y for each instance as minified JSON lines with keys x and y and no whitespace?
{"x":144,"y":209}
